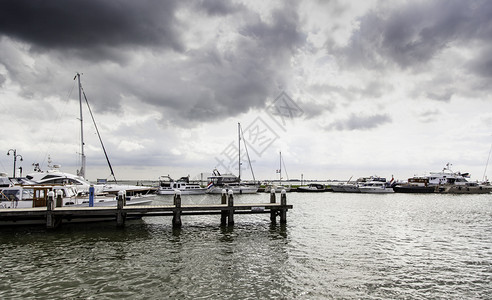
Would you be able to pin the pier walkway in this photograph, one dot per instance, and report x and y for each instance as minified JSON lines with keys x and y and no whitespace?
{"x":52,"y":216}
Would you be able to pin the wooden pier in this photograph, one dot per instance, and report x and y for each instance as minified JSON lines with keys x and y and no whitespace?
{"x":52,"y":216}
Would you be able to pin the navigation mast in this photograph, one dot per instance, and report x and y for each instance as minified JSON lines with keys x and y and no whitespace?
{"x":81,"y":172}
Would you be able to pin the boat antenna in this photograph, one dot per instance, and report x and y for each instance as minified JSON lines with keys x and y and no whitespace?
{"x":81,"y":172}
{"x":247,"y":154}
{"x":485,"y":171}
{"x":99,"y":135}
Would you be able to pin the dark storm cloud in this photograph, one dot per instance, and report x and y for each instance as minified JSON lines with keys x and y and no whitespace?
{"x":360,"y":122}
{"x":482,"y":64}
{"x":217,"y":7}
{"x":203,"y":82}
{"x":90,"y":25}
{"x":413,"y":34}
{"x":214,"y":83}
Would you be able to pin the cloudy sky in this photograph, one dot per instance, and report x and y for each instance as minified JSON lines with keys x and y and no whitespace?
{"x":341,"y":88}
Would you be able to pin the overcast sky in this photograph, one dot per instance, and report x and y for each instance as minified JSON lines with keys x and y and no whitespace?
{"x":341,"y":88}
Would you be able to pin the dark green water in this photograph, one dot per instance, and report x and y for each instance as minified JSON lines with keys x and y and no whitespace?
{"x":334,"y":246}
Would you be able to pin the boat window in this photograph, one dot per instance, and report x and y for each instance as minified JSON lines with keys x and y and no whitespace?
{"x":50,"y":176}
{"x":4,"y":182}
{"x":10,"y":195}
{"x":16,"y":194}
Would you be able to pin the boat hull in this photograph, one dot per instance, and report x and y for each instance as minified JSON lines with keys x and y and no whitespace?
{"x":310,"y":190}
{"x":464,"y":189}
{"x":413,"y":189}
{"x":200,"y":191}
{"x":375,"y":190}
{"x":235,"y":190}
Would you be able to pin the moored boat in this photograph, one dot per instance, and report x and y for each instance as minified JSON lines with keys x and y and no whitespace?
{"x":445,"y":181}
{"x":29,"y":196}
{"x":312,"y":188}
{"x":376,"y":187}
{"x":168,"y":186}
{"x":219,"y":182}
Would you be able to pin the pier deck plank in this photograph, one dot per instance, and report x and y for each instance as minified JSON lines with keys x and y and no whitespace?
{"x":147,"y":210}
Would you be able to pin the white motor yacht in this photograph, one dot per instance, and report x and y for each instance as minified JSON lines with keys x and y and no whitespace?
{"x":376,"y":187}
{"x":167,"y":186}
{"x":28,"y":196}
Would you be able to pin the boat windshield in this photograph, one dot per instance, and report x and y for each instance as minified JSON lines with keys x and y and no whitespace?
{"x":15,"y":194}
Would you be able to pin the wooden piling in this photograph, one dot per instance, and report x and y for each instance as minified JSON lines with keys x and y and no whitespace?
{"x":273,"y":212}
{"x":59,"y":198}
{"x":177,"y":210}
{"x":283,"y":210}
{"x":230,"y":205}
{"x":50,"y":218}
{"x":120,"y":215}
{"x":223,"y":213}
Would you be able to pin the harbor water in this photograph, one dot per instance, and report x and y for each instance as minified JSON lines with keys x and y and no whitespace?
{"x":334,"y":246}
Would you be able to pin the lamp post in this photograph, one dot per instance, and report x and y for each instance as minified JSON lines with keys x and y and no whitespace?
{"x":14,"y":151}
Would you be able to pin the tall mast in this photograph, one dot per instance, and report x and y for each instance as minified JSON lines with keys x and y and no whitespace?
{"x":239,"y":149}
{"x":280,"y":170}
{"x":81,"y":172}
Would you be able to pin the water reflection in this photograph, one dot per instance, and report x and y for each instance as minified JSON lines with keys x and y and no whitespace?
{"x":333,"y":246}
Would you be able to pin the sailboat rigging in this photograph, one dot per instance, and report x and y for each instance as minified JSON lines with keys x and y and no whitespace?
{"x":218,"y":182}
{"x":241,"y":134}
{"x":81,"y":172}
{"x":484,"y":178}
{"x":281,"y":187}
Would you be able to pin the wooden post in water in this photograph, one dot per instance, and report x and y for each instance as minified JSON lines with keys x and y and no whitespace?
{"x":177,"y":210}
{"x":223,"y":213}
{"x":121,"y":216}
{"x":230,"y":205}
{"x":283,"y":210}
{"x":59,"y":198}
{"x":273,"y":212}
{"x":50,"y":218}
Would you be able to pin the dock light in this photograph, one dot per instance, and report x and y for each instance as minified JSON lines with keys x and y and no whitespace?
{"x":14,"y":151}
{"x":231,"y":192}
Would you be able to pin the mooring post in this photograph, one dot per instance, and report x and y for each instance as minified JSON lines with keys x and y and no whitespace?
{"x":91,"y":196}
{"x":59,"y":198}
{"x":273,"y":212}
{"x":283,"y":210}
{"x":121,"y":216}
{"x":230,"y":205}
{"x":177,"y":210}
{"x":223,"y":213}
{"x":50,"y":218}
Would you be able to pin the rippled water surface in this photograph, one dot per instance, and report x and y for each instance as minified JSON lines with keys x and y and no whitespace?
{"x":340,"y":246}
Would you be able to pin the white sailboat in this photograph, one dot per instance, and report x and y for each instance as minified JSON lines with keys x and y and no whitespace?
{"x":279,"y":187}
{"x":219,"y":182}
{"x":55,"y":176}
